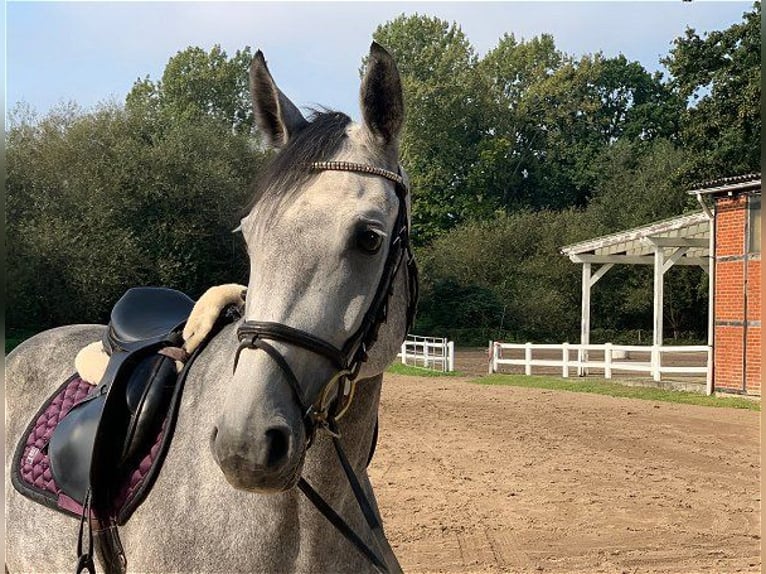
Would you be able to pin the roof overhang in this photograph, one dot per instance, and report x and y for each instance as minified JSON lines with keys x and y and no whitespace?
{"x":685,"y":239}
{"x":749,"y":183}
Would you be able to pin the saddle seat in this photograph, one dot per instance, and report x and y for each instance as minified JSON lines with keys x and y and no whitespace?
{"x":145,"y":315}
{"x":94,"y":445}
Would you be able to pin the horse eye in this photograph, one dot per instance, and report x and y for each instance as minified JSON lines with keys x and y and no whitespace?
{"x":369,"y":240}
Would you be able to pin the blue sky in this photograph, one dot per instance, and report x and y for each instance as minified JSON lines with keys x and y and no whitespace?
{"x":92,"y":51}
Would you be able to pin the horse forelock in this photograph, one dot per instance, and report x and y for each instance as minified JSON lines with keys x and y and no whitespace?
{"x":290,"y":168}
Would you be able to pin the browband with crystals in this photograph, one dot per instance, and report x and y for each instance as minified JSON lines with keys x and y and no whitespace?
{"x":358,"y":168}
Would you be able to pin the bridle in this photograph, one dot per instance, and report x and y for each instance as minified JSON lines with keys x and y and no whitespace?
{"x":347,"y":360}
{"x":324,"y":410}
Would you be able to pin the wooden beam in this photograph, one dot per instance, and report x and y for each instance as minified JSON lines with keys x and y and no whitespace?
{"x":678,"y":241}
{"x":600,"y":273}
{"x":674,"y":258}
{"x":585,"y":318}
{"x":633,"y":259}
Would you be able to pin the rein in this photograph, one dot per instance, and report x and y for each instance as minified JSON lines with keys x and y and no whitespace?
{"x":323,"y":411}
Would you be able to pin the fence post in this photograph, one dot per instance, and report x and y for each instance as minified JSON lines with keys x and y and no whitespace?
{"x":608,"y":361}
{"x":492,"y":356}
{"x":425,"y":354}
{"x":450,"y":356}
{"x":565,"y":360}
{"x":656,"y":363}
{"x":528,"y":359}
{"x":404,"y":353}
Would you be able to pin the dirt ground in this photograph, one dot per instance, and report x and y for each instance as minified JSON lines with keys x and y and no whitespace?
{"x":473,"y":478}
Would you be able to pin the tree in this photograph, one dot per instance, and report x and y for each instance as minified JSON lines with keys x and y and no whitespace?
{"x":508,"y":273}
{"x":509,"y":166}
{"x":639,"y":182}
{"x":443,"y":95}
{"x":719,"y":75}
{"x":195,"y":83}
{"x":96,"y":206}
{"x":565,"y":116}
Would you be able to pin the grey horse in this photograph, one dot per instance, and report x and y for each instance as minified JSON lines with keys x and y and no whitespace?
{"x":225,"y":499}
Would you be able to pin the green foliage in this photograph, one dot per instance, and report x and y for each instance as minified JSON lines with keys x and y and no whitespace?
{"x":443,"y":96}
{"x":640,"y":182}
{"x":719,"y":74}
{"x":14,"y":337}
{"x":508,"y":273}
{"x":520,"y":128}
{"x":565,"y":117}
{"x":510,"y":267}
{"x":100,"y":201}
{"x":197,"y":83}
{"x":511,"y":156}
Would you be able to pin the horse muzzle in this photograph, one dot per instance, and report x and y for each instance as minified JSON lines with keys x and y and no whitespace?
{"x":268,"y":461}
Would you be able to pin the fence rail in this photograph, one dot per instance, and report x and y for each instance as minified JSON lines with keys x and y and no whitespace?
{"x":615,"y":358}
{"x":430,"y":352}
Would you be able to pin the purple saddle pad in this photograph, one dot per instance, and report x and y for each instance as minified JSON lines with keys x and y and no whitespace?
{"x":31,"y":473}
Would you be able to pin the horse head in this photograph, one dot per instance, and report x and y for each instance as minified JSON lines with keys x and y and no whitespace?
{"x":331,"y":282}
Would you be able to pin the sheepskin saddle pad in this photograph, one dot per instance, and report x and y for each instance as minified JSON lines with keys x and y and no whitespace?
{"x":103,"y":446}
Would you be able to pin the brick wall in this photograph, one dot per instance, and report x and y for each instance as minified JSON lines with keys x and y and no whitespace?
{"x":737,"y":337}
{"x":730,"y":214}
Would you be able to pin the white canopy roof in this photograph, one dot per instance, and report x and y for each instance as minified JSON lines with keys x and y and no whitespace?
{"x":685,"y":236}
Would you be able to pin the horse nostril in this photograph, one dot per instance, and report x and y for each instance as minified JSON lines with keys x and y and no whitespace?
{"x":277,"y":446}
{"x":213,"y":436}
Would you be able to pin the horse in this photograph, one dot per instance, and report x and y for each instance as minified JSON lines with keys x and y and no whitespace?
{"x":321,"y":233}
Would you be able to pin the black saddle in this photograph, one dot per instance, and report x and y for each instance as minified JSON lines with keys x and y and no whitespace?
{"x":95,"y":453}
{"x":100,"y":437}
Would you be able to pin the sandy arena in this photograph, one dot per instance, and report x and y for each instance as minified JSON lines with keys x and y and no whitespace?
{"x":472,"y":478}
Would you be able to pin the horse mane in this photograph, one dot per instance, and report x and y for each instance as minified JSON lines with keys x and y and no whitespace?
{"x":290,"y":168}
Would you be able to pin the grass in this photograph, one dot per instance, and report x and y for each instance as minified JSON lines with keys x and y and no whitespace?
{"x":400,"y":369}
{"x":602,"y":387}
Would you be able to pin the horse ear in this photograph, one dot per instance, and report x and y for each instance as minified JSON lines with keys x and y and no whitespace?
{"x":381,"y":97}
{"x":275,"y":115}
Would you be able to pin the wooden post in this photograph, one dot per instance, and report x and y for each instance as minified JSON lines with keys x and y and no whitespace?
{"x":582,"y":355}
{"x":528,"y":359}
{"x":608,"y":361}
{"x":491,"y":354}
{"x":565,"y":360}
{"x":657,"y":338}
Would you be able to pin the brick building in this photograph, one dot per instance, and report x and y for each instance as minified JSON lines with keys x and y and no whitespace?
{"x":724,"y":239}
{"x":736,"y":203}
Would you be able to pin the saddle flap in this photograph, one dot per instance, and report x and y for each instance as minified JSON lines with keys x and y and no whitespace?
{"x":71,"y":447}
{"x":145,"y":314}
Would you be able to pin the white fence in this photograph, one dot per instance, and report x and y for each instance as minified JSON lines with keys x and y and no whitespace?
{"x":430,"y":352}
{"x":614,"y":358}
